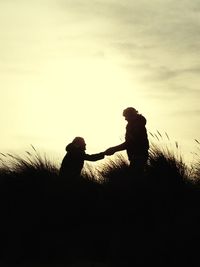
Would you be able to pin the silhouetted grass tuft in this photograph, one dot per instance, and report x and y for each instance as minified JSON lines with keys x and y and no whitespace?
{"x":196,"y":165}
{"x":105,"y":215}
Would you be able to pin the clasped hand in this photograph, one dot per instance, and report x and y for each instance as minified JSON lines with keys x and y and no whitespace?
{"x":109,"y":151}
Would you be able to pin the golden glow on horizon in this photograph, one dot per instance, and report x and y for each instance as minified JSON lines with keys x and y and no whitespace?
{"x":70,"y":98}
{"x":69,"y":69}
{"x":83,"y":98}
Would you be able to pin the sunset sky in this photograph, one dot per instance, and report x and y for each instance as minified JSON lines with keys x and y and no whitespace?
{"x":68,"y":68}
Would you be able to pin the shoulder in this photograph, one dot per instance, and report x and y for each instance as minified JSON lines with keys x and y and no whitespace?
{"x":69,"y":147}
{"x":141,"y":120}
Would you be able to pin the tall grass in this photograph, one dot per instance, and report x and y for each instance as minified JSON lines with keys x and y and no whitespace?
{"x":196,"y":164}
{"x":31,"y":162}
{"x":105,"y":214}
{"x":166,"y":164}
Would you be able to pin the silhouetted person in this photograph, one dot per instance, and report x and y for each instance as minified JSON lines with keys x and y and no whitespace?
{"x":73,"y":161}
{"x":136,"y":141}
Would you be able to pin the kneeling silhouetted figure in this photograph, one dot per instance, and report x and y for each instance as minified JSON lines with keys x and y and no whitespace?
{"x":73,"y":161}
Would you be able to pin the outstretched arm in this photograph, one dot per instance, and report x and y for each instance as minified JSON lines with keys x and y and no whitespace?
{"x":94,"y":157}
{"x":112,"y":150}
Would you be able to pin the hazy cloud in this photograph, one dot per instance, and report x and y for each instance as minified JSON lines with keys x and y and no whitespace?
{"x":164,"y":73}
{"x":159,"y":39}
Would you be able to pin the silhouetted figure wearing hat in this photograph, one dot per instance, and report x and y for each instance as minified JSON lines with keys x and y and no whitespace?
{"x":73,"y":161}
{"x":136,"y":140}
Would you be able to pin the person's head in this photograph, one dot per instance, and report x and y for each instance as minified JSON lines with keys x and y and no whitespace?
{"x":130,"y":113}
{"x":79,"y":142}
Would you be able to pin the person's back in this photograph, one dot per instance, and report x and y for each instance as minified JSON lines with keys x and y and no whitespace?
{"x":136,"y":137}
{"x":136,"y":140}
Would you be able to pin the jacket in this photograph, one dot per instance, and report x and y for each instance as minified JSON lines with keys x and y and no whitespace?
{"x":73,"y":161}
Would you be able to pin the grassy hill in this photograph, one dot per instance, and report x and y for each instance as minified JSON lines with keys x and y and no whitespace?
{"x":115,"y":220}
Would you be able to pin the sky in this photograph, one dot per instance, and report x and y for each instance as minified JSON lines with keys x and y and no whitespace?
{"x":69,"y":67}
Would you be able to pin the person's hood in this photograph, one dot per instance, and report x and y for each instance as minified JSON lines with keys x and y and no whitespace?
{"x":70,"y":147}
{"x":141,"y":119}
